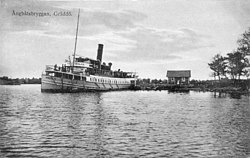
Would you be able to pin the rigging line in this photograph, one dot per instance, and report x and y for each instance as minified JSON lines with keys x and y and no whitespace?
{"x":75,"y":41}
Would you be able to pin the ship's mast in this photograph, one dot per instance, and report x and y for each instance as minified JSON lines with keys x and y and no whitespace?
{"x":74,"y":56}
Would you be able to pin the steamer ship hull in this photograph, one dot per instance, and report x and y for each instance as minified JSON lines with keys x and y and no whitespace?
{"x":58,"y":84}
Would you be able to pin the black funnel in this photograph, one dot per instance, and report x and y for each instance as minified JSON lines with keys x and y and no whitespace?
{"x":99,"y":52}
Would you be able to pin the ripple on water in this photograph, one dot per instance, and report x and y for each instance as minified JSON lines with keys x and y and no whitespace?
{"x":122,"y":124}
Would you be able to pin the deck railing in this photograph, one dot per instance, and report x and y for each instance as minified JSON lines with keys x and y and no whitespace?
{"x":50,"y":67}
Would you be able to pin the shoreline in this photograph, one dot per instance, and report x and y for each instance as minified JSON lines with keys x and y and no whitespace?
{"x":177,"y":88}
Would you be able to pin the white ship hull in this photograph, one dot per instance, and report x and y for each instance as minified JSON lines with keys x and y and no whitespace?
{"x":90,"y":83}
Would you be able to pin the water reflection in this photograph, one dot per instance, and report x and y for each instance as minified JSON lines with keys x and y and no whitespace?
{"x":179,"y":91}
{"x":230,"y":127}
{"x":233,"y":95}
{"x":219,"y":95}
{"x":100,"y":125}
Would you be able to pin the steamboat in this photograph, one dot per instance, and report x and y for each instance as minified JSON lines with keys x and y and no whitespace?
{"x":85,"y":74}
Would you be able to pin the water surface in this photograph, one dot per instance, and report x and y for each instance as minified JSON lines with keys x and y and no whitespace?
{"x":122,"y":124}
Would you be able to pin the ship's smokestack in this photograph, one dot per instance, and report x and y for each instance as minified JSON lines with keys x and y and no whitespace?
{"x":99,"y":52}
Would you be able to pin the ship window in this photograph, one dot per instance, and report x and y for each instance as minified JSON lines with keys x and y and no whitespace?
{"x":58,"y":75}
{"x":70,"y":76}
{"x":77,"y":77}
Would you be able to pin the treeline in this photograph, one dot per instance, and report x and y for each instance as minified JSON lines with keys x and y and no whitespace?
{"x":17,"y":81}
{"x":234,"y":65}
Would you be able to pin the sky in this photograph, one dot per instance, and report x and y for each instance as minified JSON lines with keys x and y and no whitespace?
{"x":145,"y":36}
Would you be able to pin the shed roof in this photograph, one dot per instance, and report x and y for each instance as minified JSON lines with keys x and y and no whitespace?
{"x":179,"y":73}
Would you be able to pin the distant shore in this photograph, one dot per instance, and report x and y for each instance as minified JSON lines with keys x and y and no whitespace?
{"x":18,"y":81}
{"x":222,"y":86}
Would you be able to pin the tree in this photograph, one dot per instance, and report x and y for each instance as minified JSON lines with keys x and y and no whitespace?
{"x":244,"y":42}
{"x":237,"y":62}
{"x":218,"y":65}
{"x":244,"y":47}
